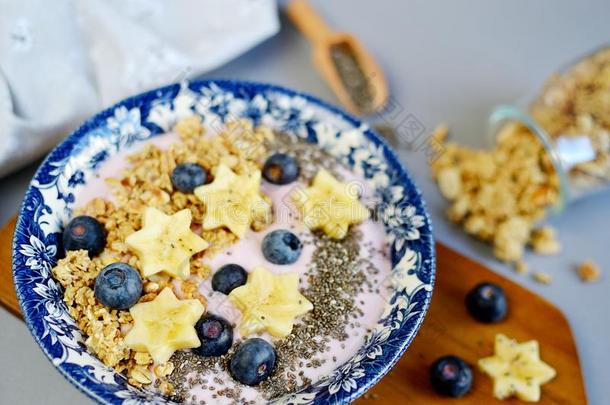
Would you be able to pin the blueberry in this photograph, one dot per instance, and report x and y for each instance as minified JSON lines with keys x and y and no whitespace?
{"x":282,"y":247}
{"x":486,"y":302}
{"x":216,"y":335}
{"x":253,"y":361}
{"x":450,"y":376}
{"x":85,"y":232}
{"x":187,"y":176}
{"x":280,"y":169}
{"x":228,"y":278}
{"x":118,"y":286}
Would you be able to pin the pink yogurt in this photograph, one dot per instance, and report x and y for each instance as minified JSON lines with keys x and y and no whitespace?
{"x":247,"y":253}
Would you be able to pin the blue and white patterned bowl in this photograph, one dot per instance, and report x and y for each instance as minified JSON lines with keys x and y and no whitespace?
{"x":50,"y":198}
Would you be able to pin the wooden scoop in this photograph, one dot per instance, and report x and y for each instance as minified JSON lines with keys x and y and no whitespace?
{"x":325,"y":42}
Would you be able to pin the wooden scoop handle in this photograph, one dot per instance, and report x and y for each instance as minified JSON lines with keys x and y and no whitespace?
{"x":308,"y":21}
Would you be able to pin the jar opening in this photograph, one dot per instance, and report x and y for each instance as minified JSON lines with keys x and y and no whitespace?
{"x":506,"y":114}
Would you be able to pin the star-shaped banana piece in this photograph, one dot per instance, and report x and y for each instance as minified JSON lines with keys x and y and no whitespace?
{"x":330,"y":205}
{"x":165,"y":243}
{"x":232,"y":200}
{"x":269,"y":302}
{"x":164,"y":325}
{"x":516,"y":369}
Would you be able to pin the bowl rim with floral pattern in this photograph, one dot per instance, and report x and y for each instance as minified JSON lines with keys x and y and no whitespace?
{"x":51,"y":194}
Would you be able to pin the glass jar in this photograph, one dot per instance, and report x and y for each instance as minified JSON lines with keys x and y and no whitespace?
{"x":570,"y":116}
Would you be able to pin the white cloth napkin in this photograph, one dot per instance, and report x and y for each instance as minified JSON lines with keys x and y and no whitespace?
{"x":61,"y":61}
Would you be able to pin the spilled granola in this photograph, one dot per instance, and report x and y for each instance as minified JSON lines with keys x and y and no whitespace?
{"x":589,"y":271}
{"x":499,"y":195}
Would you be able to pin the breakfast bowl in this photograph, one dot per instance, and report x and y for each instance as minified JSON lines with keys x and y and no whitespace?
{"x":76,"y":168}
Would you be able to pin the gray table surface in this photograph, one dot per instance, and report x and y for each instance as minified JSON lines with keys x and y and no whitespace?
{"x":445,"y":61}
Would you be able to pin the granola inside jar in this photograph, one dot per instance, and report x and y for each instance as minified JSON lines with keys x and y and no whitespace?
{"x":545,"y":153}
{"x":570,"y":115}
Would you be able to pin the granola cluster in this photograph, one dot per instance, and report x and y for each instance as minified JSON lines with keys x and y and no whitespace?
{"x":101,"y":326}
{"x":499,"y":195}
{"x":577,"y":103}
{"x":589,"y":271}
{"x":146,"y":183}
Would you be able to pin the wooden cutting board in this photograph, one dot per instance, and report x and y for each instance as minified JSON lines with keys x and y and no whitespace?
{"x":8,"y":299}
{"x":447,"y":329}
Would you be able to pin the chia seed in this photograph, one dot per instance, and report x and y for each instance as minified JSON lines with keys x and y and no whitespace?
{"x":353,"y":78}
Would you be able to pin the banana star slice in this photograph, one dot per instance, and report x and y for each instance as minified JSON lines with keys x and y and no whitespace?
{"x":164,"y":325}
{"x":516,"y":369}
{"x":269,"y":302}
{"x":330,"y":205}
{"x":165,"y":243}
{"x":232,"y":201}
